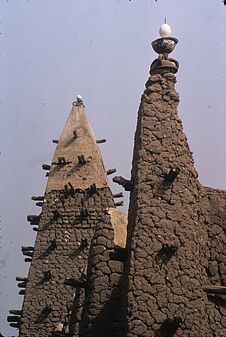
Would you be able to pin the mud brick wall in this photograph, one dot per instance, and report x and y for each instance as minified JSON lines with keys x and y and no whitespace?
{"x":215,"y":218}
{"x":213,"y":213}
{"x":72,"y":229}
{"x":102,"y":312}
{"x":73,"y":287}
{"x":171,"y":228}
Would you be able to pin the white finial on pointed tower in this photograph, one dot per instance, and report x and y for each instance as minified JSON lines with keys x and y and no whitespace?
{"x":165,"y":30}
{"x":79,"y":97}
{"x":164,"y":46}
{"x":78,"y":101}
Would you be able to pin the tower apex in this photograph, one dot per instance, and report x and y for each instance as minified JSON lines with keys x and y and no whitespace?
{"x":165,"y":30}
{"x":164,"y":46}
{"x":79,"y":96}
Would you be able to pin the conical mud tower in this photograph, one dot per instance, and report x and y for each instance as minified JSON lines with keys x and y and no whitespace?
{"x":78,"y":219}
{"x":175,"y":233}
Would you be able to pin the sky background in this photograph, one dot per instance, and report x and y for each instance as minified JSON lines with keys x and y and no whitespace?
{"x":52,"y":50}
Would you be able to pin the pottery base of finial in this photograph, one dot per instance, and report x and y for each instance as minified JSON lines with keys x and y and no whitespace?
{"x":161,"y":66}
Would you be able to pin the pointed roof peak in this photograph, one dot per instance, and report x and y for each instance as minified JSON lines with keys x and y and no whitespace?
{"x":77,"y":159}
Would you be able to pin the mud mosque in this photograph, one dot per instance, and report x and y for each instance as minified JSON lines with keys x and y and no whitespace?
{"x":96,"y":272}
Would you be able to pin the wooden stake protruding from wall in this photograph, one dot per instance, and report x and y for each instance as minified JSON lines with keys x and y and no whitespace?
{"x":27,"y":248}
{"x":81,"y":159}
{"x":15,"y":325}
{"x":13,"y":319}
{"x":101,"y":141}
{"x":127,"y":184}
{"x":37,"y":198}
{"x":120,"y":203}
{"x":111,"y":171}
{"x":61,"y":161}
{"x":22,"y":285}
{"x":217,"y":289}
{"x":46,"y":167}
{"x":15,"y":312}
{"x":171,"y":175}
{"x":33,"y":219}
{"x":21,"y":279}
{"x":21,"y":292}
{"x":118,"y":195}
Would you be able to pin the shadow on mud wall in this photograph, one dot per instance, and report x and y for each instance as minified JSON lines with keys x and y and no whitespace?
{"x":108,"y":322}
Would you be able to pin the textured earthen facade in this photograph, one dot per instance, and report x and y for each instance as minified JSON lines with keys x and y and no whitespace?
{"x":165,"y":275}
{"x":176,"y":238}
{"x":75,"y":222}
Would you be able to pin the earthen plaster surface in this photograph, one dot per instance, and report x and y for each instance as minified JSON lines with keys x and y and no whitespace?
{"x":73,"y":225}
{"x":175,"y":233}
{"x":77,"y":139}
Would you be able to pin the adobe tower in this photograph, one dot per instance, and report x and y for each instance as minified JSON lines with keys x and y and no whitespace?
{"x":71,"y":275}
{"x":175,"y":274}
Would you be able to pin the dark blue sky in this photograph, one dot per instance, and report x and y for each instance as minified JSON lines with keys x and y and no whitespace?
{"x":52,"y":50}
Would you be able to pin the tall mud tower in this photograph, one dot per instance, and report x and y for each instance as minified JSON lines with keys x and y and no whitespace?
{"x":71,"y":276}
{"x":175,"y":273}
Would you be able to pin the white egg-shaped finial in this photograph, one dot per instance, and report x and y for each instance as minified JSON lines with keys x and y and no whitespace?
{"x":79,"y":97}
{"x":165,"y":30}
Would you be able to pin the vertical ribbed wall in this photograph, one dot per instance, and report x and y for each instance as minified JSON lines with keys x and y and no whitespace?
{"x":102,"y":311}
